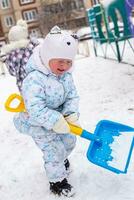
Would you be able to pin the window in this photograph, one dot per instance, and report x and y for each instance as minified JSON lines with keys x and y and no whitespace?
{"x":5,"y":4}
{"x":30,"y":15}
{"x":9,"y":21}
{"x":26,"y":1}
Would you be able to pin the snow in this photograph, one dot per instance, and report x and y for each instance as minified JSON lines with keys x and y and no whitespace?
{"x":120,"y":155}
{"x":106,"y":90}
{"x":84,"y":32}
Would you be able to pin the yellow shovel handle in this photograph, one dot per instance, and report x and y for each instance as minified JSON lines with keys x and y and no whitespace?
{"x":19,"y":108}
{"x":75,"y":129}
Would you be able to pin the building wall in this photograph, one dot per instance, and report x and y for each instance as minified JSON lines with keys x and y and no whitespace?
{"x":17,"y":11}
{"x":3,"y":14}
{"x":88,"y":3}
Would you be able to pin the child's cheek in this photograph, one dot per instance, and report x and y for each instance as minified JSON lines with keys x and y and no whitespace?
{"x":53,"y":68}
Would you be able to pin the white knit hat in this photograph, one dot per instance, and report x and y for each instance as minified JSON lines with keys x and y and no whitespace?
{"x":18,"y":32}
{"x":58,"y":44}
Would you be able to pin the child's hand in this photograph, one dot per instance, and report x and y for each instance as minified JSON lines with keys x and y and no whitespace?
{"x":73,"y":119}
{"x":61,"y":126}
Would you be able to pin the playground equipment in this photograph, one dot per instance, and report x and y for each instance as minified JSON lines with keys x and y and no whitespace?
{"x":100,"y":18}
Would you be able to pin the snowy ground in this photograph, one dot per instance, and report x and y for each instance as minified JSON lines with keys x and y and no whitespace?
{"x":106,"y":91}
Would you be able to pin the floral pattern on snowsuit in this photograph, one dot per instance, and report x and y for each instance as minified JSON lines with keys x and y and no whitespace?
{"x":46,"y":98}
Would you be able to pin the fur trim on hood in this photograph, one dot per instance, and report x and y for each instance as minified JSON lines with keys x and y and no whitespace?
{"x":38,"y":62}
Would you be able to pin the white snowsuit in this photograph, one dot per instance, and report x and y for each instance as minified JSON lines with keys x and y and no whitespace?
{"x":46,"y":97}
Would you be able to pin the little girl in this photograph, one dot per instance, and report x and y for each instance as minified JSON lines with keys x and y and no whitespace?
{"x":51,"y":102}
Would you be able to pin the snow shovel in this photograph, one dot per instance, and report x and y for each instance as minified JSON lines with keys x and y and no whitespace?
{"x":111,"y":144}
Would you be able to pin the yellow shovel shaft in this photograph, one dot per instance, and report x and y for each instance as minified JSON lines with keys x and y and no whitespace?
{"x":75,"y":129}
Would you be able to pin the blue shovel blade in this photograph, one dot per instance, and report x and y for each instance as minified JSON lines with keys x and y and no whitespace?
{"x":101,"y":154}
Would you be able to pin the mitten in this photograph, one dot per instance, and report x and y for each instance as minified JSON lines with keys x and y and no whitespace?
{"x":61,"y":126}
{"x":73,"y":119}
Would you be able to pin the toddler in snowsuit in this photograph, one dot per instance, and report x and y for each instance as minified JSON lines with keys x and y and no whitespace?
{"x":51,"y":102}
{"x":16,"y":54}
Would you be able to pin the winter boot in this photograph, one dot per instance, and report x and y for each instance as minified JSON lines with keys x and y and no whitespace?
{"x":62,"y":188}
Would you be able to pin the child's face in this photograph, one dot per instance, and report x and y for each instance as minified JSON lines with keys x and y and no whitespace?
{"x":60,"y":66}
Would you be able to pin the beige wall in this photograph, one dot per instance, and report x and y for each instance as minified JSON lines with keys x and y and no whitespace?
{"x":5,"y":28}
{"x":88,"y":3}
{"x":18,"y":9}
{"x":16,"y":5}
